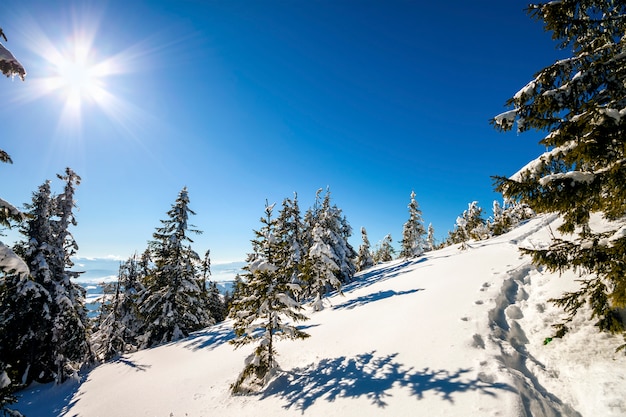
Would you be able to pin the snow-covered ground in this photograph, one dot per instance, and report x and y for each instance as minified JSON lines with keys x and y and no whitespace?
{"x":455,"y":333}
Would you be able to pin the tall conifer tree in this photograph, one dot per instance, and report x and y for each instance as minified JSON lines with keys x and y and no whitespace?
{"x":580,"y":102}
{"x":262,"y":307}
{"x":413,"y":233}
{"x":364,"y":259}
{"x":172,"y":304}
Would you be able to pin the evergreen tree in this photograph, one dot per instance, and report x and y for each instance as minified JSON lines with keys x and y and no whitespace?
{"x":364,"y":259}
{"x":580,"y":102}
{"x":7,"y":388}
{"x":70,"y":331}
{"x":431,"y":244}
{"x":172,"y":304}
{"x":413,"y":232}
{"x":385,"y":251}
{"x":322,"y":267}
{"x":44,"y":319}
{"x":262,"y":307}
{"x":290,"y":230}
{"x":470,"y":225}
{"x":119,"y":325}
{"x":326,"y":247}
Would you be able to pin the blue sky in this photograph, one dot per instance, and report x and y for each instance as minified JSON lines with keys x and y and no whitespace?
{"x":243,"y":101}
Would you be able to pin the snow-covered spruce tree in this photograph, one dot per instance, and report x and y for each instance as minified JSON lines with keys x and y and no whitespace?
{"x":46,"y":314}
{"x":335,"y":232}
{"x":321,"y":268}
{"x":172,"y":304}
{"x":289,"y":229}
{"x":580,"y":102}
{"x":70,"y":321}
{"x":119,"y":325}
{"x":413,"y":232}
{"x":364,"y":259}
{"x":215,"y":303}
{"x":431,"y":243}
{"x":385,"y":251}
{"x":25,"y":305}
{"x":469,"y":225}
{"x":262,"y":307}
{"x":507,"y":216}
{"x":7,"y":390}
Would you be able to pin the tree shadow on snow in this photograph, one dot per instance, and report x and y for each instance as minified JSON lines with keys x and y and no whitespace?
{"x":372,"y":377}
{"x":366,"y":299}
{"x":47,"y":399}
{"x":211,"y":337}
{"x":217,"y":335}
{"x":128,"y":362}
{"x":378,"y":274}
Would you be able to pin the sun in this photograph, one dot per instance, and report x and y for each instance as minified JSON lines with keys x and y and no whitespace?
{"x":79,"y":70}
{"x":77,"y":77}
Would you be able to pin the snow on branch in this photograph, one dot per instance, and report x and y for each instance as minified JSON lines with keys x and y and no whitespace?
{"x":9,"y":65}
{"x":10,"y":262}
{"x":505,"y":120}
{"x":575,"y":176}
{"x":9,"y":210}
{"x":534,"y":167}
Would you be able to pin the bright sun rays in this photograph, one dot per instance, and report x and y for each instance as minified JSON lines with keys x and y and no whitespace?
{"x":76,"y":73}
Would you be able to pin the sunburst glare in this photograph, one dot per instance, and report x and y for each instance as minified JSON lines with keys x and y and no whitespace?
{"x":79,"y":74}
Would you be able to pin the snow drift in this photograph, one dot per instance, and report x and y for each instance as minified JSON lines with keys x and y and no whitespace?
{"x":453,"y":333}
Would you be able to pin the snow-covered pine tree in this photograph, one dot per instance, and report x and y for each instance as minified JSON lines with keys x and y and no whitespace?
{"x":580,"y":102}
{"x":120,"y":324}
{"x":45,"y":314}
{"x":413,"y":232}
{"x":499,"y":223}
{"x":321,"y":268}
{"x":262,"y":307}
{"x":469,"y":225}
{"x":289,"y":229}
{"x":431,"y":243}
{"x":70,"y":321}
{"x":7,"y":397}
{"x":385,"y":250}
{"x":335,"y":232}
{"x":507,"y":216}
{"x":172,"y":304}
{"x":364,"y":259}
{"x":25,"y":305}
{"x":215,"y":303}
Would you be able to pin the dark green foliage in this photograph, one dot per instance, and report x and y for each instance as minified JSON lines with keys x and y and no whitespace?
{"x":262,"y":304}
{"x":580,"y":102}
{"x":385,"y":251}
{"x":118,"y":325}
{"x":364,"y":259}
{"x":413,"y":233}
{"x":173,"y":304}
{"x":43,"y":319}
{"x":7,"y":397}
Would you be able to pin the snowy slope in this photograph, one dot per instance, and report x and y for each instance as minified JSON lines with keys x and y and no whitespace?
{"x":455,"y":333}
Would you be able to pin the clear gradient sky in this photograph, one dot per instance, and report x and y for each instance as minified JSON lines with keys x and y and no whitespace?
{"x":243,"y":101}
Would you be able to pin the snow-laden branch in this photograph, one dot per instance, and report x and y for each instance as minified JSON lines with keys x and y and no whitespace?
{"x":10,"y":262}
{"x":10,"y":66}
{"x":575,"y":176}
{"x":534,"y":167}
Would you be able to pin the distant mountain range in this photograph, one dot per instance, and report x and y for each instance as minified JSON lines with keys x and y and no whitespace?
{"x":96,"y":271}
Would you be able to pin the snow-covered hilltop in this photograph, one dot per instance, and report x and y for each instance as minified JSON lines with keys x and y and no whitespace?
{"x":453,"y":333}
